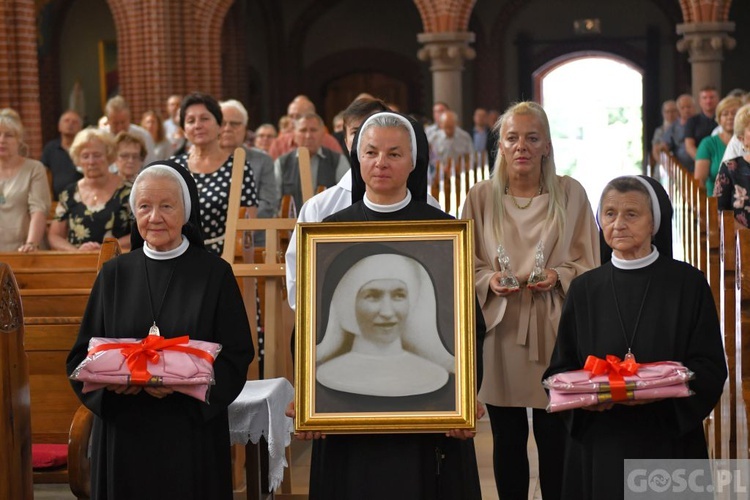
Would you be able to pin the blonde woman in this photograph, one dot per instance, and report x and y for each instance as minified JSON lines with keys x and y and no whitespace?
{"x":24,"y":190}
{"x":524,"y":204}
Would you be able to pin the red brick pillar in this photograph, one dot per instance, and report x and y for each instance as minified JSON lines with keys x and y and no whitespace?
{"x":167,"y":47}
{"x":19,"y":70}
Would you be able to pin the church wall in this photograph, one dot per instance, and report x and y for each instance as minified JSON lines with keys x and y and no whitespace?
{"x":736,"y":70}
{"x":258,"y":51}
{"x":86,"y":23}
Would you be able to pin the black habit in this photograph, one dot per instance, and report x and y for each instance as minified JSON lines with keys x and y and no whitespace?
{"x":395,"y":466}
{"x":678,"y":323}
{"x":177,"y":446}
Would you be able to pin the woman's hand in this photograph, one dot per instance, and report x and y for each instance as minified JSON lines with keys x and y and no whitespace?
{"x":548,"y":284}
{"x":28,"y":247}
{"x":600,"y":407}
{"x":497,"y":289}
{"x":636,"y":402}
{"x":302,"y":436}
{"x":464,"y":434}
{"x":480,"y":410}
{"x":158,"y":391}
{"x":89,"y":246}
{"x":127,"y":390}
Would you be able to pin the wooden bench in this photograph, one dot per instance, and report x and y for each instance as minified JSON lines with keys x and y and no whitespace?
{"x":56,"y":287}
{"x":742,"y":340}
{"x":15,"y":424}
{"x":717,"y":274}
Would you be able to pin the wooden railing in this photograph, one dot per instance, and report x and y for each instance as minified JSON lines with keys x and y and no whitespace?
{"x":714,"y":242}
{"x":454,"y":177}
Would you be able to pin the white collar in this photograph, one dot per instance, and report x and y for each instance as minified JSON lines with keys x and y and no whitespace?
{"x":387,"y":208}
{"x":169,"y":254}
{"x":636,"y":263}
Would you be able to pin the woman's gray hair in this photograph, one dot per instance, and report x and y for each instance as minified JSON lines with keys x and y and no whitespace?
{"x":389,"y":120}
{"x":556,"y":206}
{"x":158,"y":171}
{"x":237,"y":105}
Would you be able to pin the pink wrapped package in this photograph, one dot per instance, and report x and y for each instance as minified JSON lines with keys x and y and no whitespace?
{"x":560,"y":401}
{"x":179,"y":363}
{"x":648,"y":375}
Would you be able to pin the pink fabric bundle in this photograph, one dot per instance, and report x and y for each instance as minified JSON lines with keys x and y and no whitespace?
{"x":611,"y":380}
{"x":179,"y":363}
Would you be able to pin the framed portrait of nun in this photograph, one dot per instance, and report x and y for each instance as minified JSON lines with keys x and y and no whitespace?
{"x":385,"y":327}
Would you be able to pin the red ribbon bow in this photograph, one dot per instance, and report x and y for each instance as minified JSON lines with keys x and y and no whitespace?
{"x":139,"y":354}
{"x":615,"y":370}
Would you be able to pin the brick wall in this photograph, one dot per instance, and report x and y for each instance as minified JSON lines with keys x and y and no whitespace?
{"x":19,"y":74}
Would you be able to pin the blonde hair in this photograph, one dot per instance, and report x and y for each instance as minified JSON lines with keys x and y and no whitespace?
{"x":741,"y":121}
{"x":88,"y":135}
{"x":11,"y":120}
{"x":727,"y":103}
{"x":556,"y":207}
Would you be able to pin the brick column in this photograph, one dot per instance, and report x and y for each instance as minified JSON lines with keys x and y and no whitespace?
{"x":166,"y":47}
{"x":19,"y":69}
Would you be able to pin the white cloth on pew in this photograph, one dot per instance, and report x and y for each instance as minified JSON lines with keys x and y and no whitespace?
{"x":259,"y":411}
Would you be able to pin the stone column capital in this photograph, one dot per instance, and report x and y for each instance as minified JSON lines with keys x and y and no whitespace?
{"x":447,"y":51}
{"x":705,"y":41}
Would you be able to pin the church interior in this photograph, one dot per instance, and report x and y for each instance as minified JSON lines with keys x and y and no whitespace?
{"x":61,"y":55}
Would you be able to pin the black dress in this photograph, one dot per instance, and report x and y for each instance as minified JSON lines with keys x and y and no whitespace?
{"x":395,"y":466}
{"x":678,"y":323}
{"x":174,"y":447}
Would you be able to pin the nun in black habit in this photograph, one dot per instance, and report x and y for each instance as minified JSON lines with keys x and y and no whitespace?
{"x":645,"y":304}
{"x":394,"y":466}
{"x":152,"y":443}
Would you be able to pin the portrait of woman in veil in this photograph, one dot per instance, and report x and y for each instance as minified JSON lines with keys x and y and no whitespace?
{"x":380,"y":346}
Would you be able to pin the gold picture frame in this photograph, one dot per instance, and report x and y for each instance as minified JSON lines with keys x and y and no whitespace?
{"x":350,"y":374}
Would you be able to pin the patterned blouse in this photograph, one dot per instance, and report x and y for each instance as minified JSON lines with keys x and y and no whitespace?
{"x":732,"y":188}
{"x":213,"y":193}
{"x":111,"y":218}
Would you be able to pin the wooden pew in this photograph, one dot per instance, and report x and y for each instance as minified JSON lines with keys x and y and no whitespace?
{"x":694,"y":225}
{"x":742,"y":345}
{"x":15,"y":424}
{"x":714,"y":245}
{"x":55,"y":293}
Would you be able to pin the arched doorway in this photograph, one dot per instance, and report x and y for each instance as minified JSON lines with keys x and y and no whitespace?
{"x":594,"y":101}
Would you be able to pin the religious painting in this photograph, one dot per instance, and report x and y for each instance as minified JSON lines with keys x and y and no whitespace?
{"x":385,"y":327}
{"x":109,"y":80}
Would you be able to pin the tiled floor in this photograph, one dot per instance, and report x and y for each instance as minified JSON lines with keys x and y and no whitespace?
{"x":301,"y":470}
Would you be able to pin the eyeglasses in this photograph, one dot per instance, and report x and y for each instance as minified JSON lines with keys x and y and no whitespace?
{"x":129,"y":156}
{"x":231,"y":124}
